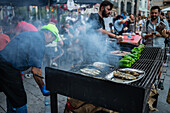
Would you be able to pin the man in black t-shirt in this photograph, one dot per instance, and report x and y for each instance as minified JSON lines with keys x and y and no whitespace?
{"x":98,"y":22}
{"x":96,"y":19}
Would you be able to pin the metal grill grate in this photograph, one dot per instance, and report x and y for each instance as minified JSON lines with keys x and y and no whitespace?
{"x":151,"y":69}
{"x":150,"y":53}
{"x":150,"y":61}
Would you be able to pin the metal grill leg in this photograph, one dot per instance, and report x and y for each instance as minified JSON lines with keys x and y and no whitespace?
{"x":54,"y":103}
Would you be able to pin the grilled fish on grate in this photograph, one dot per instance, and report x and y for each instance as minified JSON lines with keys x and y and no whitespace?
{"x":101,"y":64}
{"x":90,"y":71}
{"x":129,"y":72}
{"x":122,"y":75}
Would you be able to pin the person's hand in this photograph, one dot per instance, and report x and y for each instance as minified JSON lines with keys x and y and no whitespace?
{"x":128,"y":18}
{"x":164,"y":34}
{"x":66,"y":30}
{"x":125,"y":29}
{"x":44,"y":91}
{"x":36,"y":70}
{"x":150,"y":35}
{"x":158,"y":35}
{"x":119,"y":38}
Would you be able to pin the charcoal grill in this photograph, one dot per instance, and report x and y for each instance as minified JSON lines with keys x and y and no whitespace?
{"x":124,"y":98}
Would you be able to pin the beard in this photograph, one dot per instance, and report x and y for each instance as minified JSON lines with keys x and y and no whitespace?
{"x":154,"y":17}
{"x":104,"y":14}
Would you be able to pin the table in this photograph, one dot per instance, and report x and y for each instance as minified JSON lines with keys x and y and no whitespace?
{"x":135,"y":39}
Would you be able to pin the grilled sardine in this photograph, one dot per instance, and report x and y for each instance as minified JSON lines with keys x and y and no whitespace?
{"x":129,"y":72}
{"x":90,"y":71}
{"x":122,"y":75}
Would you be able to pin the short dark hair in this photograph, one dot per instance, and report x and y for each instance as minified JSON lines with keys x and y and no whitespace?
{"x":155,"y":7}
{"x":118,"y":17}
{"x":130,"y":14}
{"x":106,"y":3}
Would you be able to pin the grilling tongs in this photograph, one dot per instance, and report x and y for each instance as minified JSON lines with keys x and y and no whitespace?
{"x":39,"y":76}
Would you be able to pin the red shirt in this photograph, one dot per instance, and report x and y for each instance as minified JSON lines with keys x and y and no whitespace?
{"x":4,"y":40}
{"x":24,"y":26}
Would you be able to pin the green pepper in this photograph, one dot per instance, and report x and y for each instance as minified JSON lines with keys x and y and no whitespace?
{"x":129,"y":58}
{"x":142,"y":45}
{"x":124,"y":63}
{"x":138,"y":49}
{"x":141,"y":48}
{"x":132,"y":55}
{"x":134,"y":51}
{"x":137,"y":54}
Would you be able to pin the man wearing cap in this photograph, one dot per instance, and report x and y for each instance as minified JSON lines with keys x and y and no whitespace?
{"x":24,"y":51}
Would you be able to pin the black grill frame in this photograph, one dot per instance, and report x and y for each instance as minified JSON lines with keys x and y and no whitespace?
{"x":105,"y":93}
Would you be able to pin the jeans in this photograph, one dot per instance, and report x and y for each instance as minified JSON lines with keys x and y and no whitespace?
{"x":10,"y":109}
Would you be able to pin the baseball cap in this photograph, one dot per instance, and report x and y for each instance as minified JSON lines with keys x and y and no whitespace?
{"x":53,"y":29}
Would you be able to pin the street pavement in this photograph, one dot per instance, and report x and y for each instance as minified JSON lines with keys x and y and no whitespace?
{"x":163,"y":106}
{"x":36,"y":99}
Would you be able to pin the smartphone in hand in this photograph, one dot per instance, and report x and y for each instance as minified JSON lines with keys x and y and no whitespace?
{"x":160,"y":27}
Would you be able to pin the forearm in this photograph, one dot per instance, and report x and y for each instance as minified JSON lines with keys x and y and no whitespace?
{"x":147,"y":36}
{"x":60,"y":43}
{"x":123,"y":21}
{"x":111,"y":35}
{"x":70,"y":35}
{"x":37,"y":79}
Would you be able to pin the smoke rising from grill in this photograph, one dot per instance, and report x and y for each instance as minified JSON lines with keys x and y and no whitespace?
{"x":93,"y":46}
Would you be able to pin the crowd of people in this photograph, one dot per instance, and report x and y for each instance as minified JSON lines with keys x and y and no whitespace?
{"x":23,"y":45}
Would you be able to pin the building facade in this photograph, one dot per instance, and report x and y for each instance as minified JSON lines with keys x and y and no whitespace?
{"x":143,"y":7}
{"x":133,"y":6}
